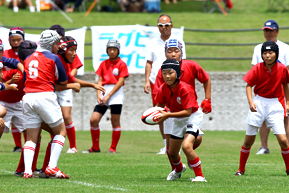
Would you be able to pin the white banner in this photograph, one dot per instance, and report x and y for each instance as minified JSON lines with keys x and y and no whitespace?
{"x":133,"y":42}
{"x":77,"y":34}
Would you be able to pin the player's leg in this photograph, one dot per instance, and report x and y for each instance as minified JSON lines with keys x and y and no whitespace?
{"x":95,"y":118}
{"x":282,"y":140}
{"x":2,"y":114}
{"x":17,"y":138}
{"x":116,"y":128}
{"x":193,"y":159}
{"x":29,"y":149}
{"x":264,"y":134}
{"x":168,"y":126}
{"x":69,"y":126}
{"x":174,"y":148}
{"x":286,"y":124}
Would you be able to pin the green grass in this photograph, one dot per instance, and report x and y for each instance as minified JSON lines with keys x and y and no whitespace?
{"x":137,"y":168}
{"x":245,"y":14}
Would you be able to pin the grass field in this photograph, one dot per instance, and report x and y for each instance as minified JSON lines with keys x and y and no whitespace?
{"x":137,"y":168}
{"x":245,"y":14}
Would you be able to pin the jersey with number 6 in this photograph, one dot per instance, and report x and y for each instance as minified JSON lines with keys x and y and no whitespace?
{"x":41,"y":70}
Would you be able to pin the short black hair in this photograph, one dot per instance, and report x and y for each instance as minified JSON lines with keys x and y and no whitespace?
{"x":167,"y":16}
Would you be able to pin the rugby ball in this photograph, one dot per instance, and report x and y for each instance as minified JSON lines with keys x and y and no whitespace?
{"x":149,"y":117}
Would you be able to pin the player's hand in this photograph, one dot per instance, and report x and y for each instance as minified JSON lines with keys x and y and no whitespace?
{"x":206,"y":106}
{"x":163,"y":116}
{"x":76,"y":87}
{"x":147,"y":87}
{"x":253,"y":107}
{"x":98,"y":87}
{"x":15,"y":78}
{"x":10,"y":86}
{"x":105,"y":99}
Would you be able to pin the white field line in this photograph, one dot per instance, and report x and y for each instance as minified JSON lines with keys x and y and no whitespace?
{"x":97,"y":186}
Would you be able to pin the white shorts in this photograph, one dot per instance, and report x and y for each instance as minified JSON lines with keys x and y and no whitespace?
{"x":116,"y":99}
{"x":192,"y":123}
{"x":39,"y":107}
{"x":64,"y":98}
{"x":14,"y":115}
{"x":268,"y":110}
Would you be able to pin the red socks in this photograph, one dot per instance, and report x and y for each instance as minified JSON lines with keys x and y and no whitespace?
{"x":178,"y":165}
{"x":47,"y":157}
{"x":173,"y":166}
{"x":95,"y":132}
{"x":34,"y":163}
{"x":115,"y":137}
{"x":285,"y":155}
{"x":70,"y":130}
{"x":245,"y":152}
{"x":196,"y":165}
{"x":17,"y":137}
{"x":21,"y":166}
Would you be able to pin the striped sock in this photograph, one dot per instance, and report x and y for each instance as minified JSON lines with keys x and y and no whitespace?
{"x":244,"y":154}
{"x":56,"y":148}
{"x":29,"y":150}
{"x":70,"y":130}
{"x":178,"y":165}
{"x":285,"y":155}
{"x":115,"y":137}
{"x":47,"y":157}
{"x":196,"y":165}
{"x":17,"y":137}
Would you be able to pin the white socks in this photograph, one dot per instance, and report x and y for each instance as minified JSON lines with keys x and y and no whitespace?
{"x":29,"y":150}
{"x":165,"y":142}
{"x":56,"y":148}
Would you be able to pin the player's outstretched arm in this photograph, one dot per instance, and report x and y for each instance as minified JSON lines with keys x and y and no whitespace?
{"x":75,"y":86}
{"x":14,"y":79}
{"x":206,"y":104}
{"x":286,"y":93}
{"x":4,"y":86}
{"x":250,"y":99}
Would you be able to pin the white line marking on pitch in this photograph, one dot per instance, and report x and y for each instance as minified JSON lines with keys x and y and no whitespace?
{"x":97,"y":186}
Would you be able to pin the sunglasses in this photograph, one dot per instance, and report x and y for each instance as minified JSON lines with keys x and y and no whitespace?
{"x":164,"y":24}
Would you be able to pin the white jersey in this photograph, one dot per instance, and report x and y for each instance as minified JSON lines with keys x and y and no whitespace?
{"x":283,"y":54}
{"x":156,"y":54}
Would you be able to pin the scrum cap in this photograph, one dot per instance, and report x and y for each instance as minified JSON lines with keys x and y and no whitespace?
{"x":113,"y":44}
{"x":26,"y":48}
{"x":16,"y":31}
{"x":174,"y":43}
{"x":48,"y":38}
{"x":270,"y":46}
{"x":59,"y":29}
{"x":172,"y":64}
{"x":1,"y":46}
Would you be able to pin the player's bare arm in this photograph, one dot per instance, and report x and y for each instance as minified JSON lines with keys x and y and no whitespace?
{"x":252,"y":105}
{"x":89,"y":84}
{"x":75,"y":86}
{"x":180,"y":114}
{"x":73,"y":72}
{"x":20,"y":67}
{"x":148,"y":69}
{"x":14,"y":79}
{"x":286,"y":93}
{"x":99,"y":83}
{"x":114,"y":90}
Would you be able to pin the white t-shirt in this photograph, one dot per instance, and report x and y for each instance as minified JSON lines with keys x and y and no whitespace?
{"x":156,"y":54}
{"x":283,"y":54}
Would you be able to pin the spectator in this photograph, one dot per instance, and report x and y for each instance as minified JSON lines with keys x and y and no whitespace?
{"x":70,"y":8}
{"x":16,"y":4}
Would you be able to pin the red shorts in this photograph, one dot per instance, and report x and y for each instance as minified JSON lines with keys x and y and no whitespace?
{"x":153,"y":95}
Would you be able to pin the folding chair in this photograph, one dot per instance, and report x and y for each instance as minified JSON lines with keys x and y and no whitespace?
{"x":216,"y":6}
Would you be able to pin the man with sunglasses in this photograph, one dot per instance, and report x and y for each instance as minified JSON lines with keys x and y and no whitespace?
{"x":271,"y":31}
{"x":155,"y":57}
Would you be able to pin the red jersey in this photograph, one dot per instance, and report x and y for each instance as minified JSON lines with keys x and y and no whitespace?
{"x":191,"y":70}
{"x":67,"y":71}
{"x":182,"y":97}
{"x":12,"y":96}
{"x":267,"y":84}
{"x":75,"y":64}
{"x":41,"y":70}
{"x":112,"y":71}
{"x":11,"y":54}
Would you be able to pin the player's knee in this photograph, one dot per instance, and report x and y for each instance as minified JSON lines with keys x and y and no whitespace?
{"x":283,"y":143}
{"x":94,"y":122}
{"x":2,"y":111}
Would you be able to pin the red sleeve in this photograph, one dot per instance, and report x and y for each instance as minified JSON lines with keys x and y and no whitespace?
{"x":76,"y":63}
{"x":286,"y":76}
{"x":7,"y":75}
{"x":201,"y":75}
{"x":70,"y":78}
{"x":99,"y":70}
{"x":251,"y":77}
{"x":159,"y":81}
{"x":123,"y":70}
{"x":160,"y":95}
